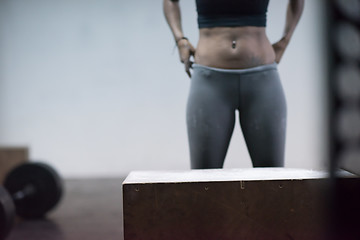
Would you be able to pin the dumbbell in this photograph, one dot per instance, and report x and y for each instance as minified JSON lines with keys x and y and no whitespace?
{"x":30,"y":190}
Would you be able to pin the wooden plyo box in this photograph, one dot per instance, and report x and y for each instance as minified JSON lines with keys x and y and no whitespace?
{"x":261,"y":203}
{"x":11,"y":157}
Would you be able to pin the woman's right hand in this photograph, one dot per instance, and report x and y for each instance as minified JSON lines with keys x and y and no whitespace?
{"x":186,"y":50}
{"x":279,"y":48}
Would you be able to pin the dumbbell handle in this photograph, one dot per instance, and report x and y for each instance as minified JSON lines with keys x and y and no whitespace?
{"x":27,"y":191}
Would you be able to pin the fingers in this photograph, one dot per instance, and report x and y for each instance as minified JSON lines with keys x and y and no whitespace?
{"x":188,"y":73}
{"x":188,"y":64}
{"x":279,"y":49}
{"x":185,"y":59}
{"x":186,"y":50}
{"x":192,"y":50}
{"x":279,"y":52}
{"x":278,"y":57}
{"x":277,"y":60}
{"x":184,"y":53}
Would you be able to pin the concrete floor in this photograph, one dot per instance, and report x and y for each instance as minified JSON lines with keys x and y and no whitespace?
{"x":91,"y":209}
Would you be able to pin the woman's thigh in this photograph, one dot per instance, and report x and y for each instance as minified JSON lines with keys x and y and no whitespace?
{"x":210,"y":117}
{"x":263,"y":118}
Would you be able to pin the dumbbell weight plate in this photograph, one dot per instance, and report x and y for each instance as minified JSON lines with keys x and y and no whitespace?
{"x":7,"y":213}
{"x":46,"y":182}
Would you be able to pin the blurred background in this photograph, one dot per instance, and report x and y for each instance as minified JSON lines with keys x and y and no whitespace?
{"x":96,"y":89}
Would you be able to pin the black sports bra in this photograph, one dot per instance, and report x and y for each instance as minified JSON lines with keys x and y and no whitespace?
{"x":231,"y":13}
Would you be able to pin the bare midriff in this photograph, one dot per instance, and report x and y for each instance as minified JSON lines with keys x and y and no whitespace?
{"x":234,"y":47}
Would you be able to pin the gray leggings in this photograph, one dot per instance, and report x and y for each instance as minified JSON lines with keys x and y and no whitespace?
{"x":215,"y":95}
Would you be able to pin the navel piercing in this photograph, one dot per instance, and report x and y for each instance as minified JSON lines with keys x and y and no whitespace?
{"x":233,"y":44}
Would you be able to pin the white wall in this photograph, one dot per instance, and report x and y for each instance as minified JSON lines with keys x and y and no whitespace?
{"x":94,"y":87}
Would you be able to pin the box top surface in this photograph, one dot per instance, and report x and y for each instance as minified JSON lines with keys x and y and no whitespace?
{"x":219,"y":175}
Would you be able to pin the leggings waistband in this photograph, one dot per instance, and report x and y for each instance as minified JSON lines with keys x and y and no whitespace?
{"x":246,"y":70}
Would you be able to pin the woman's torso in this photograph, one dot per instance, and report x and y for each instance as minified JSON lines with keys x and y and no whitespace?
{"x":233,"y":47}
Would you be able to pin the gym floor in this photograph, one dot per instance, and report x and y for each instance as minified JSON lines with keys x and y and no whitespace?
{"x":90,"y":209}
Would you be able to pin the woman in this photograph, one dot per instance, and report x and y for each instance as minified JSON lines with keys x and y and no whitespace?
{"x":235,"y":69}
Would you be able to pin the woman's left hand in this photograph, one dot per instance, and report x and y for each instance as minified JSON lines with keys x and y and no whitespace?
{"x":186,"y":51}
{"x":279,"y":48}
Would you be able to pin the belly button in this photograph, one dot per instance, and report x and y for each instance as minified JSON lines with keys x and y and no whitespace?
{"x":233,"y":44}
